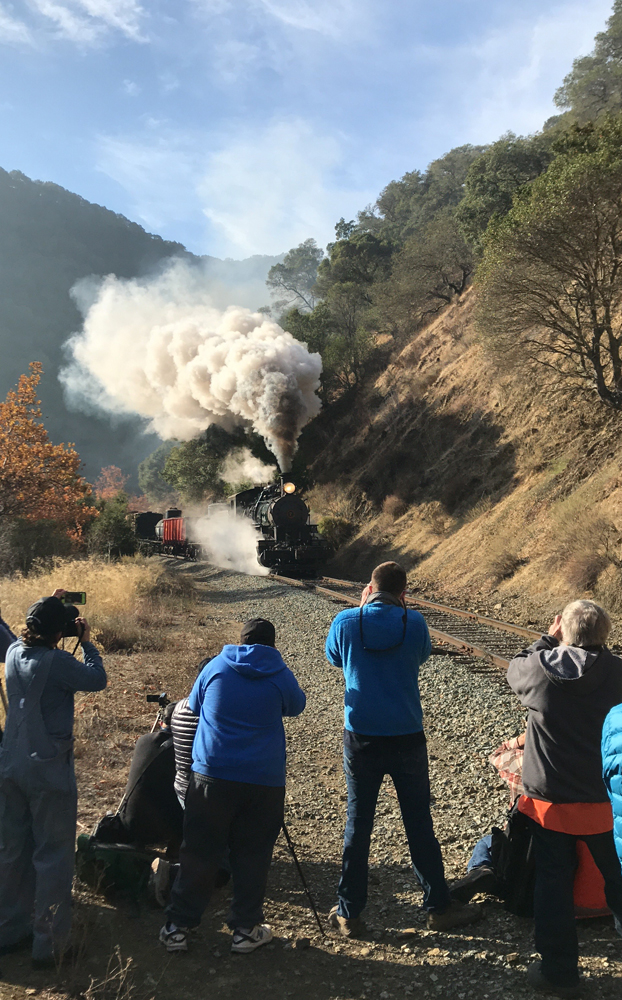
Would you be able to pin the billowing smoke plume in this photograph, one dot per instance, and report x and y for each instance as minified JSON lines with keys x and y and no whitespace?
{"x":241,"y":466}
{"x":158,"y":347}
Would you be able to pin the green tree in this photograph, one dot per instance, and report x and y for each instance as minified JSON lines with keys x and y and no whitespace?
{"x":294,"y":278}
{"x":594,"y":84}
{"x":194,"y":471}
{"x":150,"y":475}
{"x":111,"y":534}
{"x":431,"y":270}
{"x":551,"y":277}
{"x":361,"y":260}
{"x":494,"y":178}
{"x":406,"y":206}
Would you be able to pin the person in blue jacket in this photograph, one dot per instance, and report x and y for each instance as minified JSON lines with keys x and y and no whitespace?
{"x":236,"y":793}
{"x":380,"y":647}
{"x":612,"y":774}
{"x":38,"y":794}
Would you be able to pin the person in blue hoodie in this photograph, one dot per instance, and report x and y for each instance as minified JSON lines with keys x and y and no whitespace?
{"x":236,"y":793}
{"x":380,"y":647}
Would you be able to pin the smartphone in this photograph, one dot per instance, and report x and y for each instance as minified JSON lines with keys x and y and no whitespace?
{"x":74,"y":597}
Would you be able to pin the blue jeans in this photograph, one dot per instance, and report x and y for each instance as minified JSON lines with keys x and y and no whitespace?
{"x":366,"y":760}
{"x":482,"y":854}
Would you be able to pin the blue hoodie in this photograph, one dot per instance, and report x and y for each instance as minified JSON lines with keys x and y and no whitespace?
{"x":241,"y":697}
{"x":382,"y":671}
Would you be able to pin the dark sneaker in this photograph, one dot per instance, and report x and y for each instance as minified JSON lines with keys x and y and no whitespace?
{"x":539,"y":982}
{"x":247,"y":940}
{"x":174,"y":938}
{"x":481,"y":879}
{"x":456,"y":915}
{"x":351,"y":927}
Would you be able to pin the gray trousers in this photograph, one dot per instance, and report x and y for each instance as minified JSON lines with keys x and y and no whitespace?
{"x":37,"y":848}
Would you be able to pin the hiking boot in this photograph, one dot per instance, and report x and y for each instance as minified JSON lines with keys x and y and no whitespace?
{"x":245,"y":940}
{"x":350,"y":927}
{"x":174,"y":938}
{"x":456,"y":915}
{"x":480,"y":879}
{"x":539,"y":982}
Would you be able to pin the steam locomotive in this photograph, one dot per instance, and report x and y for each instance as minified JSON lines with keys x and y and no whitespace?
{"x":287,"y":542}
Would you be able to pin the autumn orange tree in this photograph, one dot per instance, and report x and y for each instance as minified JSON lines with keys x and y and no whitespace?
{"x":39,"y":480}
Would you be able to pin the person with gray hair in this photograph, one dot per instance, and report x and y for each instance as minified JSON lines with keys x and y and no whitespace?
{"x":568,"y":680}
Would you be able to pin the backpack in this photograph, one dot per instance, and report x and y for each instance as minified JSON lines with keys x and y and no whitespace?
{"x":513,"y":863}
{"x":117,"y":870}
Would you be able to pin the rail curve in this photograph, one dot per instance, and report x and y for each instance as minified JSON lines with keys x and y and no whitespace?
{"x":465,"y":631}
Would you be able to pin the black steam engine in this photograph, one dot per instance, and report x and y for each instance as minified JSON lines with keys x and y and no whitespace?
{"x":287,"y":542}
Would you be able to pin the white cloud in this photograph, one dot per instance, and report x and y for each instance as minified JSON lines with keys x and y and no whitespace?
{"x":261,"y":190}
{"x":84,"y":22}
{"x":506,"y":79}
{"x":268,"y":188}
{"x":131,"y":88}
{"x":12,"y":31}
{"x":325,"y":17}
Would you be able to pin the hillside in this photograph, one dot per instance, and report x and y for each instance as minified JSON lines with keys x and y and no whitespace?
{"x":493,"y":491}
{"x":50,"y":238}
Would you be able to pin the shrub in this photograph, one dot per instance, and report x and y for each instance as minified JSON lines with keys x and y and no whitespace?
{"x":24,"y":543}
{"x":504,"y":565}
{"x":111,"y":534}
{"x":335,"y":530}
{"x":394,"y":507}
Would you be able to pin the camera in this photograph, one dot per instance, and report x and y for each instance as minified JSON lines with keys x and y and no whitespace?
{"x":162,"y":699}
{"x":72,"y":628}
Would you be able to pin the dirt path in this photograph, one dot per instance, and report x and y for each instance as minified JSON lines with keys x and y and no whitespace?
{"x":467,"y":713}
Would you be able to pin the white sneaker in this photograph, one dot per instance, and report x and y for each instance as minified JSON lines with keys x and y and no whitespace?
{"x":174,"y":938}
{"x":245,"y":940}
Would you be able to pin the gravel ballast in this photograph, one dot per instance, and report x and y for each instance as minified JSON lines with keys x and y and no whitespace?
{"x":468,"y":712}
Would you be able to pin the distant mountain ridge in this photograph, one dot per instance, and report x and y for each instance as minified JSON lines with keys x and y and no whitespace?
{"x":49,"y":239}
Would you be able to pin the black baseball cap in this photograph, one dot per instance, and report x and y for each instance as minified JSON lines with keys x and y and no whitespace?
{"x":47,"y":616}
{"x":258,"y":631}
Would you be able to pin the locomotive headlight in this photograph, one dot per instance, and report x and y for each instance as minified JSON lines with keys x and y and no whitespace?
{"x":289,"y":488}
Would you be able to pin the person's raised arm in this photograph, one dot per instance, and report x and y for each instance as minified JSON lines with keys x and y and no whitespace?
{"x":294,"y":698}
{"x":87,"y":676}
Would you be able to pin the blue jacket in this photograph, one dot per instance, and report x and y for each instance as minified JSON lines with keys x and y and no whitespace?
{"x":612,"y":769}
{"x":241,"y":697}
{"x":67,"y":675}
{"x":382,"y":684}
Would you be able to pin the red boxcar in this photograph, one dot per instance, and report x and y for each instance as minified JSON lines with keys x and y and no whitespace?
{"x":174,"y":530}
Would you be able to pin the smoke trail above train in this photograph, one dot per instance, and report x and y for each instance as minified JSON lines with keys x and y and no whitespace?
{"x":159,"y":348}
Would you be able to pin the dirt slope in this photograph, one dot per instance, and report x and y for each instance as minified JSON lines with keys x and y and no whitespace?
{"x":497,"y":490}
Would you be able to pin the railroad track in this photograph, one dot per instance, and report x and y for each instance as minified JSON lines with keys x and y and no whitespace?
{"x":464,"y":631}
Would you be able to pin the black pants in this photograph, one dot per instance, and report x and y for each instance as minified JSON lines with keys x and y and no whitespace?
{"x":226,"y":814}
{"x":556,"y":862}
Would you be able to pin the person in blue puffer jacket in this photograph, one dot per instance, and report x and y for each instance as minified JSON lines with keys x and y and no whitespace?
{"x":612,"y":772}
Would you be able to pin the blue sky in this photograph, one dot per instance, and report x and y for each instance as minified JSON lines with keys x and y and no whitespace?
{"x":244,"y":126}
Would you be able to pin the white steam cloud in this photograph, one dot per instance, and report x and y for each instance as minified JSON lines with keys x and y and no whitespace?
{"x":230,"y":542}
{"x":159,"y":348}
{"x":242,"y":466}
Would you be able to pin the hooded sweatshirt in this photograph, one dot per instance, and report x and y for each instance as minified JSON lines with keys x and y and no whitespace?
{"x":241,"y":697}
{"x":568,"y":691}
{"x":381,"y":667}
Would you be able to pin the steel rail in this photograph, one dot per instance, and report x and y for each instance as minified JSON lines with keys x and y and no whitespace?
{"x":459,"y":613}
{"x":452,"y":640}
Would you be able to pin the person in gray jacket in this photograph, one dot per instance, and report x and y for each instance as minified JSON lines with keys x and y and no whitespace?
{"x":38,"y":794}
{"x":568,"y":680}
